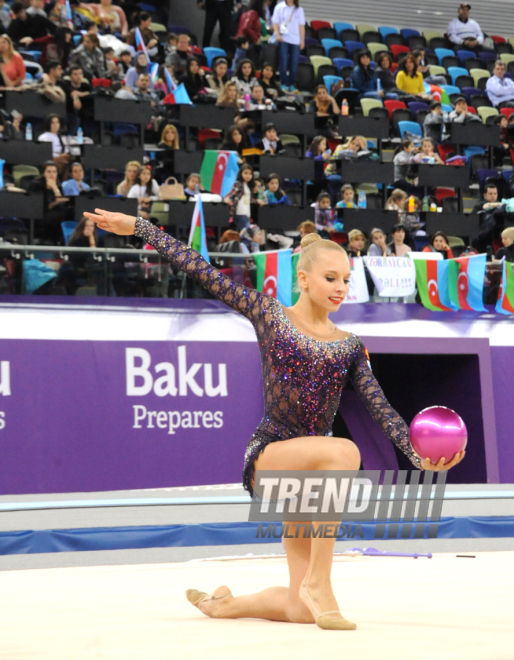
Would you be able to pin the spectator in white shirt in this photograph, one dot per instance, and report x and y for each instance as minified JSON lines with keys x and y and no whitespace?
{"x":464,"y":31}
{"x":146,"y":190}
{"x":500,"y":90}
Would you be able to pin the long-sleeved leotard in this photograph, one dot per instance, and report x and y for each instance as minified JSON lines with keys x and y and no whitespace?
{"x":303,"y":377}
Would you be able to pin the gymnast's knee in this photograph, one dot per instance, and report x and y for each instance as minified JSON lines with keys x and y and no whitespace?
{"x":345,"y":455}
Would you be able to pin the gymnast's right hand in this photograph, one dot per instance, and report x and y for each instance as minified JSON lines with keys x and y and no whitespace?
{"x":117,"y":223}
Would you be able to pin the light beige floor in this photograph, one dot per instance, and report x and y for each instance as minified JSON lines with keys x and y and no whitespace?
{"x":443,"y":608}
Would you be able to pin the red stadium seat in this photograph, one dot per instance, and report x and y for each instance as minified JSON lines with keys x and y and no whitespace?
{"x":474,"y":112}
{"x":498,"y":40}
{"x":507,"y":112}
{"x":394,"y":105}
{"x":444,"y":150}
{"x":316,"y":25}
{"x":441,"y":193}
{"x":396,"y":50}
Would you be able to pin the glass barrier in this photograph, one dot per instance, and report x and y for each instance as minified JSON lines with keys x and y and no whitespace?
{"x":133,"y":273}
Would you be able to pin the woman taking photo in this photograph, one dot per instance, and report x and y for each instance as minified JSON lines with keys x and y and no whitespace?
{"x":289,"y":29}
{"x":299,"y":407}
{"x":12,"y":67}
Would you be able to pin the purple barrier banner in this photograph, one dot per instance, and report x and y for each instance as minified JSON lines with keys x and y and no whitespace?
{"x":107,"y":415}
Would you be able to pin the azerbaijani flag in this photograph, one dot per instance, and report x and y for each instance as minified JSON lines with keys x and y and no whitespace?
{"x":466,"y":282}
{"x":294,"y":264}
{"x":69,"y":15}
{"x":432,"y":283}
{"x":219,"y":171}
{"x":140,"y":46}
{"x":505,"y":302}
{"x":154,"y":72}
{"x":172,"y":85}
{"x":197,"y":236}
{"x":274,"y":274}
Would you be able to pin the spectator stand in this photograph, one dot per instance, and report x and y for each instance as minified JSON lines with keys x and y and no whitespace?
{"x":204,"y":116}
{"x":476,"y":134}
{"x":138,"y":113}
{"x":454,"y":176}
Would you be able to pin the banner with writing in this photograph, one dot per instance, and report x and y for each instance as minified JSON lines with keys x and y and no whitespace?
{"x":393,"y":276}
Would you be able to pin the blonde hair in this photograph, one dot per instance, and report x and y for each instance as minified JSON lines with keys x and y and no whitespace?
{"x":396,"y":196}
{"x":11,"y":47}
{"x":312,"y":246}
{"x":509,"y":233}
{"x":126,"y":183}
{"x":170,"y":127}
{"x":223,"y":98}
{"x":308,"y":227}
{"x":363,"y":143}
{"x":354,"y":233}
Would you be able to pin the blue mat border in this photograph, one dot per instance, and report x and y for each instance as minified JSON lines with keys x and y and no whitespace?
{"x":239,"y":533}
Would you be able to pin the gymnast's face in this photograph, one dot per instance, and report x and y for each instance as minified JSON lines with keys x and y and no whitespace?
{"x":328,"y":280}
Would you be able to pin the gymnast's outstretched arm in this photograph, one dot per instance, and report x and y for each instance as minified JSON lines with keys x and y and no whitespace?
{"x":247,"y":301}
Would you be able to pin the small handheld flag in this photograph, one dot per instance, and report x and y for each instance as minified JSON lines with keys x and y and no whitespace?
{"x":172,"y":85}
{"x":197,"y":235}
{"x":140,"y":46}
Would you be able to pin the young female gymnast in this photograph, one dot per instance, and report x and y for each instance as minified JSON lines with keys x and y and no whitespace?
{"x":306,"y":362}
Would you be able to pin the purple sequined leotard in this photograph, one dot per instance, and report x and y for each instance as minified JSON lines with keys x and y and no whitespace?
{"x":303,"y":377}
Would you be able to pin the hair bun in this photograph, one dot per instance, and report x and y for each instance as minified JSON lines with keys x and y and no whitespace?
{"x":309,"y":239}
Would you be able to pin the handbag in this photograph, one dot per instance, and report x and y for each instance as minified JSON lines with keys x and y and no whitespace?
{"x":173,"y":190}
{"x":283,"y":28}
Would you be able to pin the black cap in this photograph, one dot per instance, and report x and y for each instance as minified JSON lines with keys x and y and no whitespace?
{"x":464,"y":4}
{"x":459,"y":99}
{"x":435,"y":104}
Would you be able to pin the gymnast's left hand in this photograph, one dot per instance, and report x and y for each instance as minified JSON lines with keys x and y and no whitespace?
{"x":117,"y":223}
{"x":437,"y":467}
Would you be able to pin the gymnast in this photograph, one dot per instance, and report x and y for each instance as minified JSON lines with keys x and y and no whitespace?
{"x":306,"y":362}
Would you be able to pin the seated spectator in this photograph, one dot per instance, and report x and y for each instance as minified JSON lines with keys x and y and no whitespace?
{"x":11,"y":130}
{"x":114,"y":71}
{"x":274,"y":194}
{"x":490,"y":200}
{"x":500,"y":89}
{"x":5,"y":14}
{"x":434,"y":124}
{"x":411,"y":218}
{"x":347,"y":195}
{"x":253,"y":238}
{"x":323,"y":105}
{"x":409,"y":79}
{"x":398,"y":246}
{"x":419,"y":56}
{"x":378,"y":247}
{"x":89,"y":56}
{"x":257,"y":100}
{"x":396,"y":201}
{"x":228,"y":96}
{"x":354,"y":147}
{"x":55,"y":204}
{"x":12,"y":67}
{"x":428,"y":154}
{"x":35,"y":8}
{"x":464,"y":31}
{"x":460,"y":114}
{"x":387,"y":77}
{"x":306,"y":227}
{"x":60,"y":148}
{"x":270,"y":82}
{"x":235,"y":140}
{"x":169,"y":138}
{"x":143,"y":22}
{"x":140,"y":66}
{"x":356,"y":244}
{"x":24,"y":28}
{"x":270,"y":143}
{"x":108,"y":40}
{"x":363,"y":78}
{"x":402,"y":159}
{"x":439,"y":243}
{"x":507,"y":251}
{"x":75,"y":185}
{"x":194,"y":185}
{"x":194,"y":78}
{"x":218,"y":78}
{"x":245,"y":192}
{"x":84,"y":235}
{"x":132,"y":170}
{"x":323,"y":215}
{"x":242,"y":45}
{"x":170,"y":46}
{"x":319,"y":151}
{"x":125,"y":61}
{"x":144,"y":93}
{"x":177,"y":60}
{"x":244,"y":78}
{"x":146,"y":190}
{"x":78,"y":98}
{"x":111,"y":18}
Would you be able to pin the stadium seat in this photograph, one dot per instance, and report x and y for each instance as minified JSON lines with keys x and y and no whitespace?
{"x":326,"y":70}
{"x":442,"y":193}
{"x":349,"y":35}
{"x":328,"y":81}
{"x":451,"y":89}
{"x":330,"y":43}
{"x":436,"y":70}
{"x":353,"y":46}
{"x":507,"y":112}
{"x":456,"y":71}
{"x":463,"y":55}
{"x":68,"y":228}
{"x":342,"y":62}
{"x":305,"y":78}
{"x":314,"y":49}
{"x":327,"y":33}
{"x":391,"y":106}
{"x":211,"y":52}
{"x":410,"y":127}
{"x":415,"y":106}
{"x":497,"y":39}
{"x":484,"y":174}
{"x":394,"y":40}
{"x":337,"y":52}
{"x":376,"y":48}
{"x":469,"y":92}
{"x":439,"y":42}
{"x":18,"y":171}
{"x":485,"y":57}
{"x":484,"y":112}
{"x":474,"y":63}
{"x":477,"y":74}
{"x":367,"y":104}
{"x":378,"y":112}
{"x":408,"y":32}
{"x":479,"y":101}
{"x":317,"y":61}
{"x":443,"y":52}
{"x":414,"y":42}
{"x":400,"y":114}
{"x":371,"y":38}
{"x":507,"y":58}
{"x":365,"y":27}
{"x":351,"y":95}
{"x":316,"y":25}
{"x":421,"y":115}
{"x":340,"y":26}
{"x":397,"y":49}
{"x":386,"y":29}
{"x":463,"y":81}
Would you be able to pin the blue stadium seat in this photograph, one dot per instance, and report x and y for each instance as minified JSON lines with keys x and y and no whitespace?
{"x":210,"y":53}
{"x":330,"y":80}
{"x":341,"y":62}
{"x":330,"y":43}
{"x":354,"y":45}
{"x":450,"y":89}
{"x":456,"y":71}
{"x":339,"y":27}
{"x":464,"y":55}
{"x":68,"y":228}
{"x":407,"y":32}
{"x":385,"y":30}
{"x":443,"y":52}
{"x":411,"y":127}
